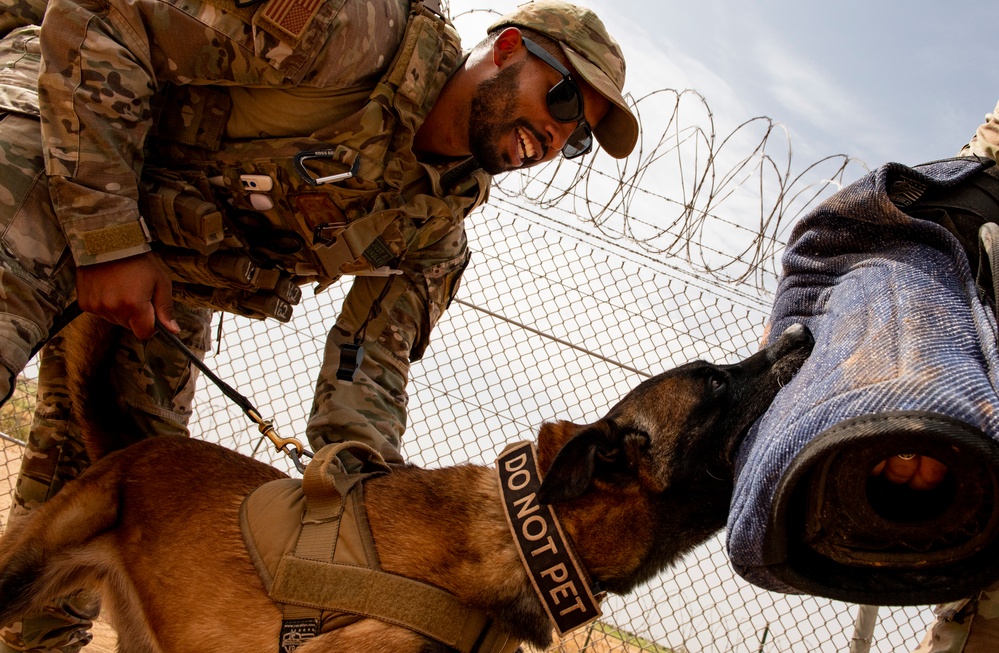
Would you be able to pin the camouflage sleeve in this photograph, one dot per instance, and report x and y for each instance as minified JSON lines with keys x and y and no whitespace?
{"x":399,"y":312}
{"x":94,"y":90}
{"x":20,"y":13}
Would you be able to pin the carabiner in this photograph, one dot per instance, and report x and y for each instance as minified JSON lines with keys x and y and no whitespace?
{"x":302,"y":157}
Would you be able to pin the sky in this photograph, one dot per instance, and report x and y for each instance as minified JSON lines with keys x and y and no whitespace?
{"x":877,"y":80}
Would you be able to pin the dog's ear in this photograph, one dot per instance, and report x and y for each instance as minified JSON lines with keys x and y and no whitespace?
{"x":590,"y":452}
{"x":572,"y":470}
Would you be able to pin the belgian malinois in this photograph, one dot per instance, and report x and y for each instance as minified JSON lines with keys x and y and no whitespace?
{"x":155,"y":525}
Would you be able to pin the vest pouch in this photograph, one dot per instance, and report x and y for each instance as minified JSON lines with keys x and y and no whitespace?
{"x":177,"y":213}
{"x":279,"y":168}
{"x":415,"y":63}
{"x":253,"y":304}
{"x":351,"y":198}
{"x":192,"y":115}
{"x":279,"y":191}
{"x":221,"y":269}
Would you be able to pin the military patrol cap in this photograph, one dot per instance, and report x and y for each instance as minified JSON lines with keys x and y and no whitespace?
{"x":595,"y":56}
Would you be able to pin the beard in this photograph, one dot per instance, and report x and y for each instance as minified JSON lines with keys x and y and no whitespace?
{"x":491,"y":122}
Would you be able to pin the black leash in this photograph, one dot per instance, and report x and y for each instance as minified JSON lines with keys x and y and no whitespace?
{"x":296,"y":450}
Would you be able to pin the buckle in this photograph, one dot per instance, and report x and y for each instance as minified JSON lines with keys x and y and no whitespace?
{"x":327,"y":233}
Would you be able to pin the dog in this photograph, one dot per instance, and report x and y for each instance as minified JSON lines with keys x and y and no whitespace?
{"x":155,"y":525}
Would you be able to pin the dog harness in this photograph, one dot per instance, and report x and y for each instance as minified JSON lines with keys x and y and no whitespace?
{"x":905,"y":362}
{"x":311,"y":545}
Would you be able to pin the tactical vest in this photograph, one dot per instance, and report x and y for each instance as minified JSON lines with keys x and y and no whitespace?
{"x":242,"y":225}
{"x":315,"y":555}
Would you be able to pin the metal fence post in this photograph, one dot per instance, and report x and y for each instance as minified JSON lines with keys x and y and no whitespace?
{"x":863,"y":628}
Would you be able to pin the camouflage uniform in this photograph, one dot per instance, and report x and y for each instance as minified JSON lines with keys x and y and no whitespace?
{"x":20,"y":13}
{"x":970,"y":625}
{"x":49,"y":224}
{"x":390,"y":315}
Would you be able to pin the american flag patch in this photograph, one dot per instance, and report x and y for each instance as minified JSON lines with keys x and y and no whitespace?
{"x":290,"y":17}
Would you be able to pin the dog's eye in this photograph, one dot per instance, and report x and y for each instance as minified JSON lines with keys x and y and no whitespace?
{"x":717,"y":382}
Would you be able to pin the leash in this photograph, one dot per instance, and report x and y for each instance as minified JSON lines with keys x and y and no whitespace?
{"x":266,"y":427}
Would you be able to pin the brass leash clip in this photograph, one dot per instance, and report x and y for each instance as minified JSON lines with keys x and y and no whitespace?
{"x":266,"y":428}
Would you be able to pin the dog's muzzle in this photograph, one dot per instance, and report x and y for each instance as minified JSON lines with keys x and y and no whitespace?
{"x":905,"y":362}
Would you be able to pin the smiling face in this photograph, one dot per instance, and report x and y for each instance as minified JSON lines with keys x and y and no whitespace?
{"x":510,"y":125}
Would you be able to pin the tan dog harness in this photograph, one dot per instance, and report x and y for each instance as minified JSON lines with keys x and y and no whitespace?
{"x":315,"y":554}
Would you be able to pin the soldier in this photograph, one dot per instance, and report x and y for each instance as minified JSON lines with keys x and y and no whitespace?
{"x":221,"y":154}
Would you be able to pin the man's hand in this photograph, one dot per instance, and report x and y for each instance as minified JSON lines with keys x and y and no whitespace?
{"x":918,"y":472}
{"x":132,"y":292}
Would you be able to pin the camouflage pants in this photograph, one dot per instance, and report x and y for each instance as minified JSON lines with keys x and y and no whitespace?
{"x":37,"y":279}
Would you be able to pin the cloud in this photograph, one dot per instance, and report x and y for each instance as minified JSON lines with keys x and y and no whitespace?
{"x":811,"y":99}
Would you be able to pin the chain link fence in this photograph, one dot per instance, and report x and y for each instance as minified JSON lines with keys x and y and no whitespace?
{"x":551,"y":322}
{"x":579,"y":288}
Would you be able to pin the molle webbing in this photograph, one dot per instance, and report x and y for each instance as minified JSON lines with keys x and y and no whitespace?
{"x":349,"y":199}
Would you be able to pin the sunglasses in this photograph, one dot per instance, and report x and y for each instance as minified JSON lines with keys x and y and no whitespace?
{"x":565,"y":103}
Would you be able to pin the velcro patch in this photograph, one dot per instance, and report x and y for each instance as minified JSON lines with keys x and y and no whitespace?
{"x":319,"y":209}
{"x":115,"y":238}
{"x":557,"y":577}
{"x":290,"y":17}
{"x":378,"y":253}
{"x":905,"y":191}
